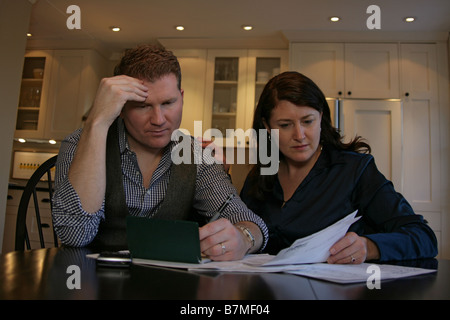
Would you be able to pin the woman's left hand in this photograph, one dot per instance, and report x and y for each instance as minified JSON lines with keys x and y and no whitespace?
{"x":221,"y":240}
{"x":353,"y":249}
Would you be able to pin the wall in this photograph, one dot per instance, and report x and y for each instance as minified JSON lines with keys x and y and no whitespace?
{"x":14,"y":21}
{"x":445,"y":149}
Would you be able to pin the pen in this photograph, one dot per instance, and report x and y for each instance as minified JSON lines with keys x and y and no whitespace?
{"x":222,"y":207}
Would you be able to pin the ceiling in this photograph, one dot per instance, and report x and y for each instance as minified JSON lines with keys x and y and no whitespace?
{"x":221,"y":20}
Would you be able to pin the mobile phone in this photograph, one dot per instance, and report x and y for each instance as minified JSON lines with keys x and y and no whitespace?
{"x":114,"y":259}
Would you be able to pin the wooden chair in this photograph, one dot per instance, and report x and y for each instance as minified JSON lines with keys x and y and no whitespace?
{"x":31,"y":189}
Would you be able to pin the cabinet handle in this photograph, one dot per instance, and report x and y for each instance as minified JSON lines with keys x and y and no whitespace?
{"x":45,"y":225}
{"x":349,"y":93}
{"x":10,"y":197}
{"x":340,"y":93}
{"x":45,"y":200}
{"x":407,"y":94}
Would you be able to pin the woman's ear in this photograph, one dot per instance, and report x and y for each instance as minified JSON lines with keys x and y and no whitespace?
{"x":266,"y":125}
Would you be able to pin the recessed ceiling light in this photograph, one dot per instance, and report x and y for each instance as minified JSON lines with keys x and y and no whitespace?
{"x":115,"y":29}
{"x":29,"y":34}
{"x":247,"y":27}
{"x":22,"y":140}
{"x":335,"y":19}
{"x":51,"y":141}
{"x":179,"y":28}
{"x":410,"y":19}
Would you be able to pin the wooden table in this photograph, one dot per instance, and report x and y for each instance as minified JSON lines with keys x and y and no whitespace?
{"x":47,"y":274}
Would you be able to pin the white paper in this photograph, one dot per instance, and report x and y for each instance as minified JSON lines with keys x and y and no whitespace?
{"x":250,"y":263}
{"x":305,"y":257}
{"x":354,"y":273}
{"x":316,"y":247}
{"x":338,"y":273}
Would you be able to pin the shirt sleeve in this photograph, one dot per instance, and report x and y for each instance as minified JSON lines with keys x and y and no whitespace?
{"x":390,"y":221}
{"x":74,"y":226}
{"x":213,"y":186}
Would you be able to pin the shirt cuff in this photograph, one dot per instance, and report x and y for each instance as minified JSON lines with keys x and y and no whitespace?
{"x":73,"y":225}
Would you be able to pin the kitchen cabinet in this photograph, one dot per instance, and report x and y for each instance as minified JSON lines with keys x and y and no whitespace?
{"x":408,"y":71}
{"x":422,"y":166}
{"x":70,"y":80}
{"x":323,"y":63}
{"x":34,"y":94}
{"x":193,"y":69}
{"x":379,"y":121}
{"x":226,"y":78}
{"x":349,"y":70}
{"x":221,"y":91}
{"x":234,"y":81}
{"x":12,"y":206}
{"x":371,"y":70}
{"x":262,"y":65}
{"x":76,"y":75}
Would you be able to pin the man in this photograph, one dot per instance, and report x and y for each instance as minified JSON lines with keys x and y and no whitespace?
{"x":136,"y":112}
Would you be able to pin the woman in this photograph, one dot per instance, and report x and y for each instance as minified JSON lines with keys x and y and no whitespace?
{"x":321,"y":180}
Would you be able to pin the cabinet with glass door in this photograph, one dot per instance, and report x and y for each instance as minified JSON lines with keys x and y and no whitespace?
{"x":236,"y":79}
{"x":262,"y":66}
{"x":33,"y":95}
{"x":225,"y":93}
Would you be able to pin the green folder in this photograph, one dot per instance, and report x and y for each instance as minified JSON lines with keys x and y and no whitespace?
{"x":166,"y":240}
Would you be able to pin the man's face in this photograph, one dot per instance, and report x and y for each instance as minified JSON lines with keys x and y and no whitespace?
{"x":150,"y":124}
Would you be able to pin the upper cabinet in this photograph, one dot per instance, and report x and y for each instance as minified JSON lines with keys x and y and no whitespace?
{"x":321,"y":62}
{"x":193,"y":69}
{"x":58,"y":87}
{"x":371,"y":70}
{"x":262,"y":66}
{"x":350,"y":70}
{"x":234,"y":82}
{"x":34,"y":94}
{"x":226,"y":78}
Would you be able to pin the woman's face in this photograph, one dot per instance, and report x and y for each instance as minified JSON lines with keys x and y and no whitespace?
{"x":299,"y":131}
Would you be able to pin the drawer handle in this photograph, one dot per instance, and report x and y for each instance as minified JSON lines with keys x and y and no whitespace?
{"x":45,"y":200}
{"x":45,"y":225}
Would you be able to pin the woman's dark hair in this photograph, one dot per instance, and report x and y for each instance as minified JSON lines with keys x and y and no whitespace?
{"x":300,"y":90}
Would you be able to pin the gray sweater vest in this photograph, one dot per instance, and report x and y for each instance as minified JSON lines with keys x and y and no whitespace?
{"x":177,"y":203}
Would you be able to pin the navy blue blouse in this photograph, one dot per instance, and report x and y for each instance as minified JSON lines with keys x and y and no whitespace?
{"x":339,"y":183}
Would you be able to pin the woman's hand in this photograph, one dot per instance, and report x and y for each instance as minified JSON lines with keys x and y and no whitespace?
{"x":220,"y":240}
{"x":353,"y":249}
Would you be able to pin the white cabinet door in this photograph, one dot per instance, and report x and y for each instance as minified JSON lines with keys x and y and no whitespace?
{"x":76,"y":75}
{"x":350,"y":70}
{"x":193,"y":70}
{"x":225,"y":93}
{"x":421,"y":126}
{"x":262,"y":66}
{"x":323,"y":63}
{"x":371,"y":70}
{"x":380,"y":123}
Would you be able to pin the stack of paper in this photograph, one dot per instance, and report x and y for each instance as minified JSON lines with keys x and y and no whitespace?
{"x":305,"y":257}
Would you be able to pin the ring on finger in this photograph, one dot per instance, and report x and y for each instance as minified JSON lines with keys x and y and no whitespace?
{"x":353,"y":259}
{"x":224,"y":249}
